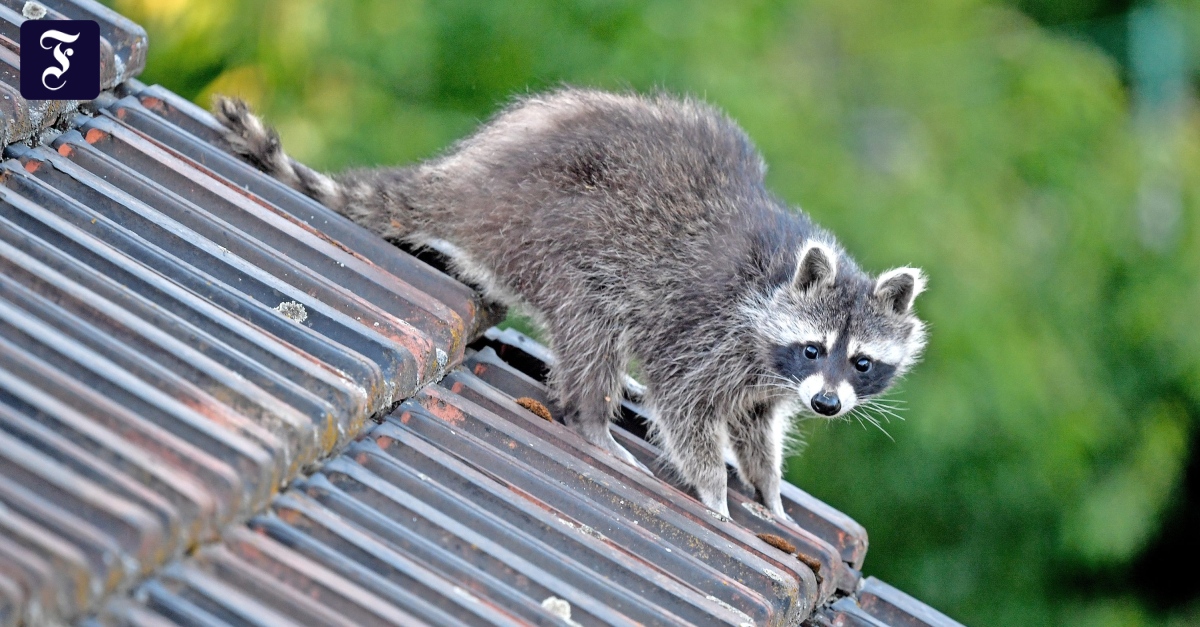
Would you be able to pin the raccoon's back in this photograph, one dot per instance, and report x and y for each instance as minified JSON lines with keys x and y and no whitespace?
{"x":614,"y":192}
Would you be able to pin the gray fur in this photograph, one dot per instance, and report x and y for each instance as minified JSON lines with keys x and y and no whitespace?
{"x":639,"y":226}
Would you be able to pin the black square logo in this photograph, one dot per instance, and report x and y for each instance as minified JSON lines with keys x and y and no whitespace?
{"x":60,"y":59}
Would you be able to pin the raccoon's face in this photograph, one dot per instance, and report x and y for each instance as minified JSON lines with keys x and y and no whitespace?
{"x":834,"y":339}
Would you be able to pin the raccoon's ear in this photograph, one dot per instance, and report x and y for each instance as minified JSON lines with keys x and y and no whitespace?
{"x":817,"y":267}
{"x":897,"y":289}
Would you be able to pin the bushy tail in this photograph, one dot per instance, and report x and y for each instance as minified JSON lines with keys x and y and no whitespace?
{"x":379,"y":200}
{"x":259,"y":144}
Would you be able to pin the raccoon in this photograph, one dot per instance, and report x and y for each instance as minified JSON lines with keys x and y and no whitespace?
{"x":639,"y":227}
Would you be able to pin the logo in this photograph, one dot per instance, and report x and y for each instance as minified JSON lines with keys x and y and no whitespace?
{"x":60,"y":59}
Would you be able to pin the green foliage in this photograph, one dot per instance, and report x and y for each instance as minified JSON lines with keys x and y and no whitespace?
{"x":1048,"y":429}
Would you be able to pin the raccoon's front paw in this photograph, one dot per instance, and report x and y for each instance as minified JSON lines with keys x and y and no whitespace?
{"x":780,"y":514}
{"x":715,"y":501}
{"x":636,"y":464}
{"x":599,"y":436}
{"x":774,"y":504}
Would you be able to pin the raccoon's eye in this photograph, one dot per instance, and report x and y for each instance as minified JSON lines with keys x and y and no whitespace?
{"x":811,"y":351}
{"x":863,"y":364}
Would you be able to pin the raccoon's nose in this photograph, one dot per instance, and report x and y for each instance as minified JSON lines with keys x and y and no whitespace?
{"x":826,"y":404}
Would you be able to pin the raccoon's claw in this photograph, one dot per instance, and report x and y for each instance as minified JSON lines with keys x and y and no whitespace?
{"x":604,"y":440}
{"x":622,"y":453}
{"x":639,"y":465}
{"x":782,"y":515}
{"x":716,"y":503}
{"x":775,"y":506}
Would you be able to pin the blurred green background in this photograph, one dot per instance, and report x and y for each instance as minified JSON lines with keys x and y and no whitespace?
{"x":1040,"y":159}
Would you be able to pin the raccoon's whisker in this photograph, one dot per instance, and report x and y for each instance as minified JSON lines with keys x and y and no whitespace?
{"x":875,"y":422}
{"x":886,"y":412}
{"x":781,"y":384}
{"x":885,"y":418}
{"x":885,"y":409}
{"x":885,"y":431}
{"x":885,"y":402}
{"x":880,"y":427}
{"x":770,"y":376}
{"x":775,"y":386}
{"x":859,"y":416}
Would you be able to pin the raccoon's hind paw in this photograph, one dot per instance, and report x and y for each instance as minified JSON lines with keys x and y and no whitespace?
{"x":634,"y":391}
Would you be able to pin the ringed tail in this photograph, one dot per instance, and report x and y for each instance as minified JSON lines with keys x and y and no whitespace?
{"x":259,"y":144}
{"x":380,"y":205}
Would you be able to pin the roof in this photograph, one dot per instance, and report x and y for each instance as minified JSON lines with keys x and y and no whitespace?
{"x":220,"y":402}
